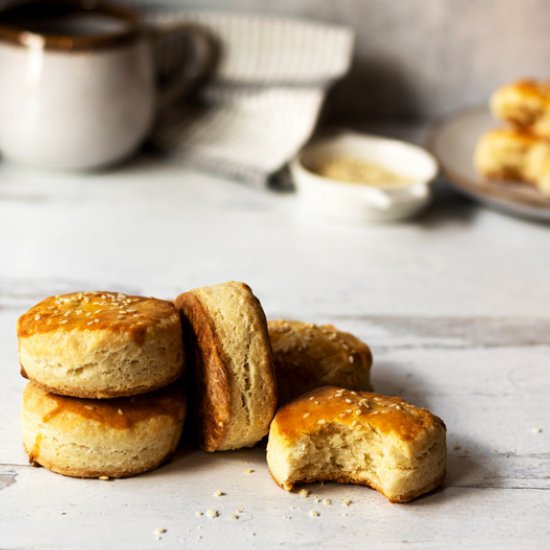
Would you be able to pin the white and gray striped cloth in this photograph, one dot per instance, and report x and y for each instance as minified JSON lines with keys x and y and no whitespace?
{"x":265,"y":96}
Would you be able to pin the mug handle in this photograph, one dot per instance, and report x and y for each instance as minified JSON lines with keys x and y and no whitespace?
{"x":183,"y":55}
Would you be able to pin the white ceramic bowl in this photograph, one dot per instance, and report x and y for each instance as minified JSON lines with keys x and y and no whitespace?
{"x":357,"y":202}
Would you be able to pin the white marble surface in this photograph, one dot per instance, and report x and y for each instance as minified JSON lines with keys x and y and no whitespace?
{"x":454,"y":305}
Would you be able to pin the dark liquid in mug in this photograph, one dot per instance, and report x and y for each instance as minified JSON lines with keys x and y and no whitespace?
{"x":61,"y":19}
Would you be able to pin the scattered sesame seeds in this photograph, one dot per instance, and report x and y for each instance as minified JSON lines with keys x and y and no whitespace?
{"x":341,"y":415}
{"x":199,"y":514}
{"x":234,"y":517}
{"x":348,"y":411}
{"x":120,"y":411}
{"x":89,"y":323}
{"x":348,"y":400}
{"x":354,"y":424}
{"x":306,"y":415}
{"x":317,"y":402}
{"x":314,"y":513}
{"x":220,"y":424}
{"x":351,"y":359}
{"x":347,"y":502}
{"x":321,"y":421}
{"x":536,"y":430}
{"x":89,"y":407}
{"x":312,"y":398}
{"x":219,"y":493}
{"x":104,"y":478}
{"x":317,"y":499}
{"x":64,"y":322}
{"x":358,"y":412}
{"x":212,"y":513}
{"x":304,"y":493}
{"x":327,"y":502}
{"x":37,"y":317}
{"x":249,"y":471}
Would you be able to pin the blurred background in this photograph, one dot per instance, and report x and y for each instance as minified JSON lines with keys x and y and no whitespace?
{"x":417,"y":59}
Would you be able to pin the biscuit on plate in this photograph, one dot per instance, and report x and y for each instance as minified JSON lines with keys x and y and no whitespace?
{"x":308,"y":356}
{"x":514,"y":155}
{"x":234,"y":397}
{"x":334,"y":434}
{"x":526,"y":104}
{"x":101,"y":344}
{"x":109,"y":437}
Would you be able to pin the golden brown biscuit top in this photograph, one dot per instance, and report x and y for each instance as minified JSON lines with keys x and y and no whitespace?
{"x":356,"y":410}
{"x":119,"y":413}
{"x":94,"y":311}
{"x":297,"y":336}
{"x":532,"y":88}
{"x":519,"y":136}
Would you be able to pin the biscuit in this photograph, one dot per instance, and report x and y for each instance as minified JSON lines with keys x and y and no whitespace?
{"x":92,"y":438}
{"x":308,"y":356}
{"x":525,"y":103}
{"x":101,"y":344}
{"x":234,"y":396}
{"x":514,"y":155}
{"x":333,"y":434}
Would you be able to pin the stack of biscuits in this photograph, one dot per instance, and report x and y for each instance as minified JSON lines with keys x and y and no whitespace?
{"x":519,"y":152}
{"x":107,"y":397}
{"x":104,"y":397}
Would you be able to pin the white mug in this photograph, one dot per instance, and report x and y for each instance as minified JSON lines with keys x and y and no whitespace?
{"x":79,"y":86}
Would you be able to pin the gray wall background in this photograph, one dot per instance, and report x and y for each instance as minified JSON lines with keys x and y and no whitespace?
{"x":419,"y":59}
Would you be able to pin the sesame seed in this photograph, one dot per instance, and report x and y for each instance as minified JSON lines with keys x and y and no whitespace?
{"x":220,"y":424}
{"x":199,"y":514}
{"x":351,"y":359}
{"x":89,"y":323}
{"x":348,"y":400}
{"x":306,"y":415}
{"x":536,"y":430}
{"x":321,"y":421}
{"x":249,"y":471}
{"x":347,"y":502}
{"x":349,"y":411}
{"x":354,"y":424}
{"x":64,"y":322}
{"x":120,"y":411}
{"x":317,"y":402}
{"x":234,"y":517}
{"x":314,"y":513}
{"x":304,"y":493}
{"x":327,"y":501}
{"x":37,"y":317}
{"x":312,"y":398}
{"x":104,"y":478}
{"x":89,"y":407}
{"x":341,"y":415}
{"x":212,"y":513}
{"x":219,"y":493}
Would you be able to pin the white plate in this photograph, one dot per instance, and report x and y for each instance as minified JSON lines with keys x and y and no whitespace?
{"x":453,"y":142}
